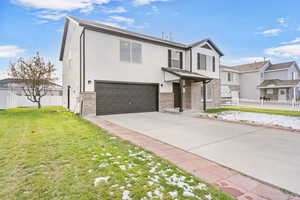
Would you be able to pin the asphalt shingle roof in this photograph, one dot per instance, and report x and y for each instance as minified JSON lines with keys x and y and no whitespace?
{"x":248,"y":67}
{"x":280,"y":66}
{"x":277,"y":82}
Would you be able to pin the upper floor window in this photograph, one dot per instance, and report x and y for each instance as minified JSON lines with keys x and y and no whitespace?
{"x":201,"y":61}
{"x":229,"y":77}
{"x":294,"y":76}
{"x":130,"y":51}
{"x":175,"y":59}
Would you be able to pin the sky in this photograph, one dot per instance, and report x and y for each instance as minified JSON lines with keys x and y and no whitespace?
{"x":245,"y":31}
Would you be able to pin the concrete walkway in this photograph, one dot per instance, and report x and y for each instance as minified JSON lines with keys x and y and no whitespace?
{"x":269,"y":155}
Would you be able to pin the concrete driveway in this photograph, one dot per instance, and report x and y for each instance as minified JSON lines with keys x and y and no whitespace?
{"x":269,"y":155}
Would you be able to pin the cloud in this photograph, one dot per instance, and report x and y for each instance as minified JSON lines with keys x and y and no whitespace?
{"x":118,"y":9}
{"x":146,"y":2}
{"x":8,"y":51}
{"x":154,"y":11}
{"x":122,"y":19}
{"x":292,"y":41}
{"x":243,"y":60}
{"x":66,"y":5}
{"x":271,"y":32}
{"x":282,"y":21}
{"x":52,"y":16}
{"x":114,"y":24}
{"x":285,"y":51}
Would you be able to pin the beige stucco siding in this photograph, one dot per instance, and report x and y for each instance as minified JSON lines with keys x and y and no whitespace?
{"x":71,"y":64}
{"x":209,"y":71}
{"x":103,"y":61}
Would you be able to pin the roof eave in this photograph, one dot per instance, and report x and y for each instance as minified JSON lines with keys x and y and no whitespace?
{"x":62,"y":48}
{"x":211,"y":43}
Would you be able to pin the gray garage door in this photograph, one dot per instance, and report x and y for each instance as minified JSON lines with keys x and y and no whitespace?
{"x":116,"y":98}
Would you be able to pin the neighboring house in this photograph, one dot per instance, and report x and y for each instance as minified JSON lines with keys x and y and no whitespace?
{"x":12,"y":95}
{"x":107,"y":70}
{"x":262,"y":80}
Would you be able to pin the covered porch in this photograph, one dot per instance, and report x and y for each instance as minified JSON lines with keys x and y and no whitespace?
{"x":189,"y":89}
{"x":280,"y":90}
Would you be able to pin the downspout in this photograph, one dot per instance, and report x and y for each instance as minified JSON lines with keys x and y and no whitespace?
{"x":191,"y":60}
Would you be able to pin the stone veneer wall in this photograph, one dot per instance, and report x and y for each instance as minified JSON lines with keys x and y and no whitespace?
{"x":187,"y":96}
{"x":166,"y":101}
{"x":88,"y":103}
{"x":216,"y":94}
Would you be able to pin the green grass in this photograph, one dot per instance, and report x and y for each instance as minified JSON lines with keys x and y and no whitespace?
{"x":258,"y":110}
{"x":53,"y":154}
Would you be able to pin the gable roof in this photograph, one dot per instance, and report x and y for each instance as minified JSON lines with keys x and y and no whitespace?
{"x":210,"y":42}
{"x":128,"y":34}
{"x":227,"y":68}
{"x":249,"y":67}
{"x":279,"y":66}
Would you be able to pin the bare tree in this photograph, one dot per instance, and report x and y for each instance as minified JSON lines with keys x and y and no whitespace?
{"x":35,"y":76}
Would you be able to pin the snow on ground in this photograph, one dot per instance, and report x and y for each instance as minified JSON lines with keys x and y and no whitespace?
{"x":159,"y":175}
{"x":98,"y":180}
{"x":261,"y":118}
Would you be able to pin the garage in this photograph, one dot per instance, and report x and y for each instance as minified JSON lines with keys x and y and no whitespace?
{"x":120,"y":97}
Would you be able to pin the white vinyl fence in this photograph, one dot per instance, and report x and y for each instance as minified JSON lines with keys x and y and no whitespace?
{"x":9,"y":99}
{"x":278,"y":105}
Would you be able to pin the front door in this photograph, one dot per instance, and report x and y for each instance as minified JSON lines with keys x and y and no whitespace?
{"x":176,"y":92}
{"x":282,"y":94}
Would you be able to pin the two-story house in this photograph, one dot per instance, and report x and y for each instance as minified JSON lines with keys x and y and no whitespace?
{"x":108,"y":70}
{"x":262,"y":80}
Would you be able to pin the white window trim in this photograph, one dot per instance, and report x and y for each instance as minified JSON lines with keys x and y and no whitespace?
{"x":130,"y":52}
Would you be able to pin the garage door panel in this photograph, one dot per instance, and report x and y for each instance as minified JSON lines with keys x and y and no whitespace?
{"x":116,"y":98}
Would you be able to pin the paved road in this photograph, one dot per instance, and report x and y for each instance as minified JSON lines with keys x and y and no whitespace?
{"x":267,"y":154}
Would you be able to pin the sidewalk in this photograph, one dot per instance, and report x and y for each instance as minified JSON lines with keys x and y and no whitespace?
{"x":232,"y":182}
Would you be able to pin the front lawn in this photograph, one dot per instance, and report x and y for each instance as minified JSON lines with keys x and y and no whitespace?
{"x":53,"y":154}
{"x":258,"y":110}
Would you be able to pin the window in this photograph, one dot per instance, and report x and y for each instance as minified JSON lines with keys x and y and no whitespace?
{"x":294,"y":76}
{"x":136,"y":53}
{"x":130,"y":52}
{"x":125,"y":51}
{"x":214,"y":64}
{"x":208,"y":92}
{"x":270,"y":91}
{"x":202,"y":62}
{"x":229,"y":77}
{"x":175,"y":58}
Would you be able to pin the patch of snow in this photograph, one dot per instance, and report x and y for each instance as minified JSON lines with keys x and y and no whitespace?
{"x":123,"y":167}
{"x":188,"y":194}
{"x":149,"y":194}
{"x":262,"y":118}
{"x":173,"y":194}
{"x":158,"y":193}
{"x":208,"y":196}
{"x":201,"y":186}
{"x":103,"y":165}
{"x":98,"y":180}
{"x":126,"y":195}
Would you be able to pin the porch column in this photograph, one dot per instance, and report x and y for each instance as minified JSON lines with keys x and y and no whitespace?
{"x":181,"y":95}
{"x":294,"y":97}
{"x":204,"y":95}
